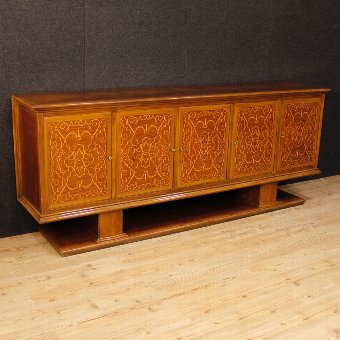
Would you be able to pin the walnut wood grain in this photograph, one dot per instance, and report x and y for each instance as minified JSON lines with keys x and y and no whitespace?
{"x":253,"y":142}
{"x":268,"y":194}
{"x":47,"y":101}
{"x":202,"y":144}
{"x":145,"y":151}
{"x":26,"y":154}
{"x":299,"y":138}
{"x":101,"y":152}
{"x":78,"y":152}
{"x":110,"y":226}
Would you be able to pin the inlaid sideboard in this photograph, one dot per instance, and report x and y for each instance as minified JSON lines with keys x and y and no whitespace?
{"x":97,"y":169}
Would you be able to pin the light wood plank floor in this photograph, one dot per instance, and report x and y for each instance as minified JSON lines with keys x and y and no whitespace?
{"x":272,"y":276}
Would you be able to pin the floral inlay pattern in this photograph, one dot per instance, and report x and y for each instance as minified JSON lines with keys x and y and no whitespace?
{"x":78,"y":159}
{"x":299,"y":133}
{"x":254,"y":139}
{"x":145,"y":141}
{"x":203,"y":145}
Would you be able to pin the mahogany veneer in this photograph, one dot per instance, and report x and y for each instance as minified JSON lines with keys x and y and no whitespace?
{"x":99,"y":153}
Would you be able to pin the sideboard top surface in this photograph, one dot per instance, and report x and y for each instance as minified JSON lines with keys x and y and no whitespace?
{"x":45,"y":101}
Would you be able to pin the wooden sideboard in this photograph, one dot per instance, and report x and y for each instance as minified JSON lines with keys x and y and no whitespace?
{"x":104,"y":168}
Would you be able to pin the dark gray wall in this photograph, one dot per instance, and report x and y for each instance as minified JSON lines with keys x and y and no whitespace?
{"x":81,"y":45}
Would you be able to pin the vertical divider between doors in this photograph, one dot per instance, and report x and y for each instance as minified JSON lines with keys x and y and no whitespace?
{"x":114,"y":148}
{"x":229,"y":141}
{"x":276,"y":133}
{"x":176,"y":160}
{"x":233,"y":134}
{"x":279,"y":119}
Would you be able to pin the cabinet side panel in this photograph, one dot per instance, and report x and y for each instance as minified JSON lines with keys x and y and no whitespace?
{"x":28,"y":148}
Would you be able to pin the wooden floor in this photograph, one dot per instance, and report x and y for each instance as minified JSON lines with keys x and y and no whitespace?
{"x":272,"y":276}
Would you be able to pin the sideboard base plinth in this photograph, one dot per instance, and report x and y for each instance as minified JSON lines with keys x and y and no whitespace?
{"x":78,"y":235}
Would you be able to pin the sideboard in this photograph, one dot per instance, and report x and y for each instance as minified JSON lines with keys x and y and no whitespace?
{"x":97,"y":169}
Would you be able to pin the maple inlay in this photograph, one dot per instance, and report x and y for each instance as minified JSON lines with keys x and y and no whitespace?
{"x":145,"y":152}
{"x":100,"y":157}
{"x":253,"y":139}
{"x":78,"y":160}
{"x":299,"y":133}
{"x":203,"y":144}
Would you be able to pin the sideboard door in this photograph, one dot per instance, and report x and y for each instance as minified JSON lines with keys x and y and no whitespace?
{"x":145,"y":148}
{"x":300,"y":133}
{"x":202,"y":143}
{"x":77,"y":158}
{"x":253,"y":141}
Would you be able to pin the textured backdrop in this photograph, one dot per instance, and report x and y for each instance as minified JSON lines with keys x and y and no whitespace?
{"x":82,"y":45}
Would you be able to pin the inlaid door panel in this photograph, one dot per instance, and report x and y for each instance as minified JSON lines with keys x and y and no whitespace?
{"x":300,"y":133}
{"x":145,"y":144}
{"x":253,"y":141}
{"x":202,"y":143}
{"x":78,"y":152}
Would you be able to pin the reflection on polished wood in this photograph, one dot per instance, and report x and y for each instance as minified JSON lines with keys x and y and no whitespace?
{"x":271,"y":276}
